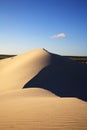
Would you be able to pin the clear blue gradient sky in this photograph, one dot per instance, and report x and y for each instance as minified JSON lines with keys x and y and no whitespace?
{"x":30,"y":24}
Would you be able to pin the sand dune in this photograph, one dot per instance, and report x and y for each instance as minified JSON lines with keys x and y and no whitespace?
{"x":31,"y":92}
{"x":31,"y":87}
{"x":40,"y":68}
{"x":25,"y":110}
{"x":16,"y":71}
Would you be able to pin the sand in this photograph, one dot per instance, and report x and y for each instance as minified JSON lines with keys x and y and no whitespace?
{"x":36,"y":109}
{"x":16,"y":71}
{"x":33,"y":87}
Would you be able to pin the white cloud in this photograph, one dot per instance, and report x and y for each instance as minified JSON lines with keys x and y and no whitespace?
{"x":60,"y":35}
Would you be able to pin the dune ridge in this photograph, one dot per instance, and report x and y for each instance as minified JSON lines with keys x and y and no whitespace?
{"x":31,"y":87}
{"x":16,"y":71}
{"x":30,"y":92}
{"x":40,"y":68}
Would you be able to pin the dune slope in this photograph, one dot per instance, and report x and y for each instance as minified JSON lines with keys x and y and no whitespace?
{"x":31,"y":85}
{"x":60,"y":75}
{"x":16,"y":71}
{"x":38,"y":109}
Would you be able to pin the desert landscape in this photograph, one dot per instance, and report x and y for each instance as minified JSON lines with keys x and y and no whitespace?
{"x":43,"y":65}
{"x":40,"y":90}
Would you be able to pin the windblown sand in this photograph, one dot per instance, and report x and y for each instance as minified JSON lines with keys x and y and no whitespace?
{"x":35,"y":108}
{"x":16,"y":71}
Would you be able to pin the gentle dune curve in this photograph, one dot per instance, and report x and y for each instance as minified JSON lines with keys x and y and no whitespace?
{"x":23,"y":109}
{"x":16,"y":71}
{"x":52,"y":72}
{"x":30,"y":92}
{"x":45,"y":78}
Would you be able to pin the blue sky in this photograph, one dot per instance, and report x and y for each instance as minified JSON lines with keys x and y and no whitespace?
{"x":60,"y":26}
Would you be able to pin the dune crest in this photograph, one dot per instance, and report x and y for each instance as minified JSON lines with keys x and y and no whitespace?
{"x":40,"y":68}
{"x":16,"y":71}
{"x":31,"y":92}
{"x":31,"y":85}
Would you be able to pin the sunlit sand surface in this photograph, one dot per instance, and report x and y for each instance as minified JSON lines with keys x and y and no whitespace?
{"x":33,"y":87}
{"x":36,"y":109}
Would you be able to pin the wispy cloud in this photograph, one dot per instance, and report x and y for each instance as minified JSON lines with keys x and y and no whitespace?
{"x":57,"y":36}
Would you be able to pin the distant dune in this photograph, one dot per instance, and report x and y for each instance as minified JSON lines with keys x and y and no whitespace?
{"x":6,"y":56}
{"x":31,"y":87}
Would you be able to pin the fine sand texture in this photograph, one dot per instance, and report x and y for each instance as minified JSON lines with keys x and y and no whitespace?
{"x":40,"y":68}
{"x":38,"y":109}
{"x":15,"y":72}
{"x":42,"y":91}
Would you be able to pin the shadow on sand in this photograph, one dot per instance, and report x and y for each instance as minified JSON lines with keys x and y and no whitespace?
{"x":64,"y":78}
